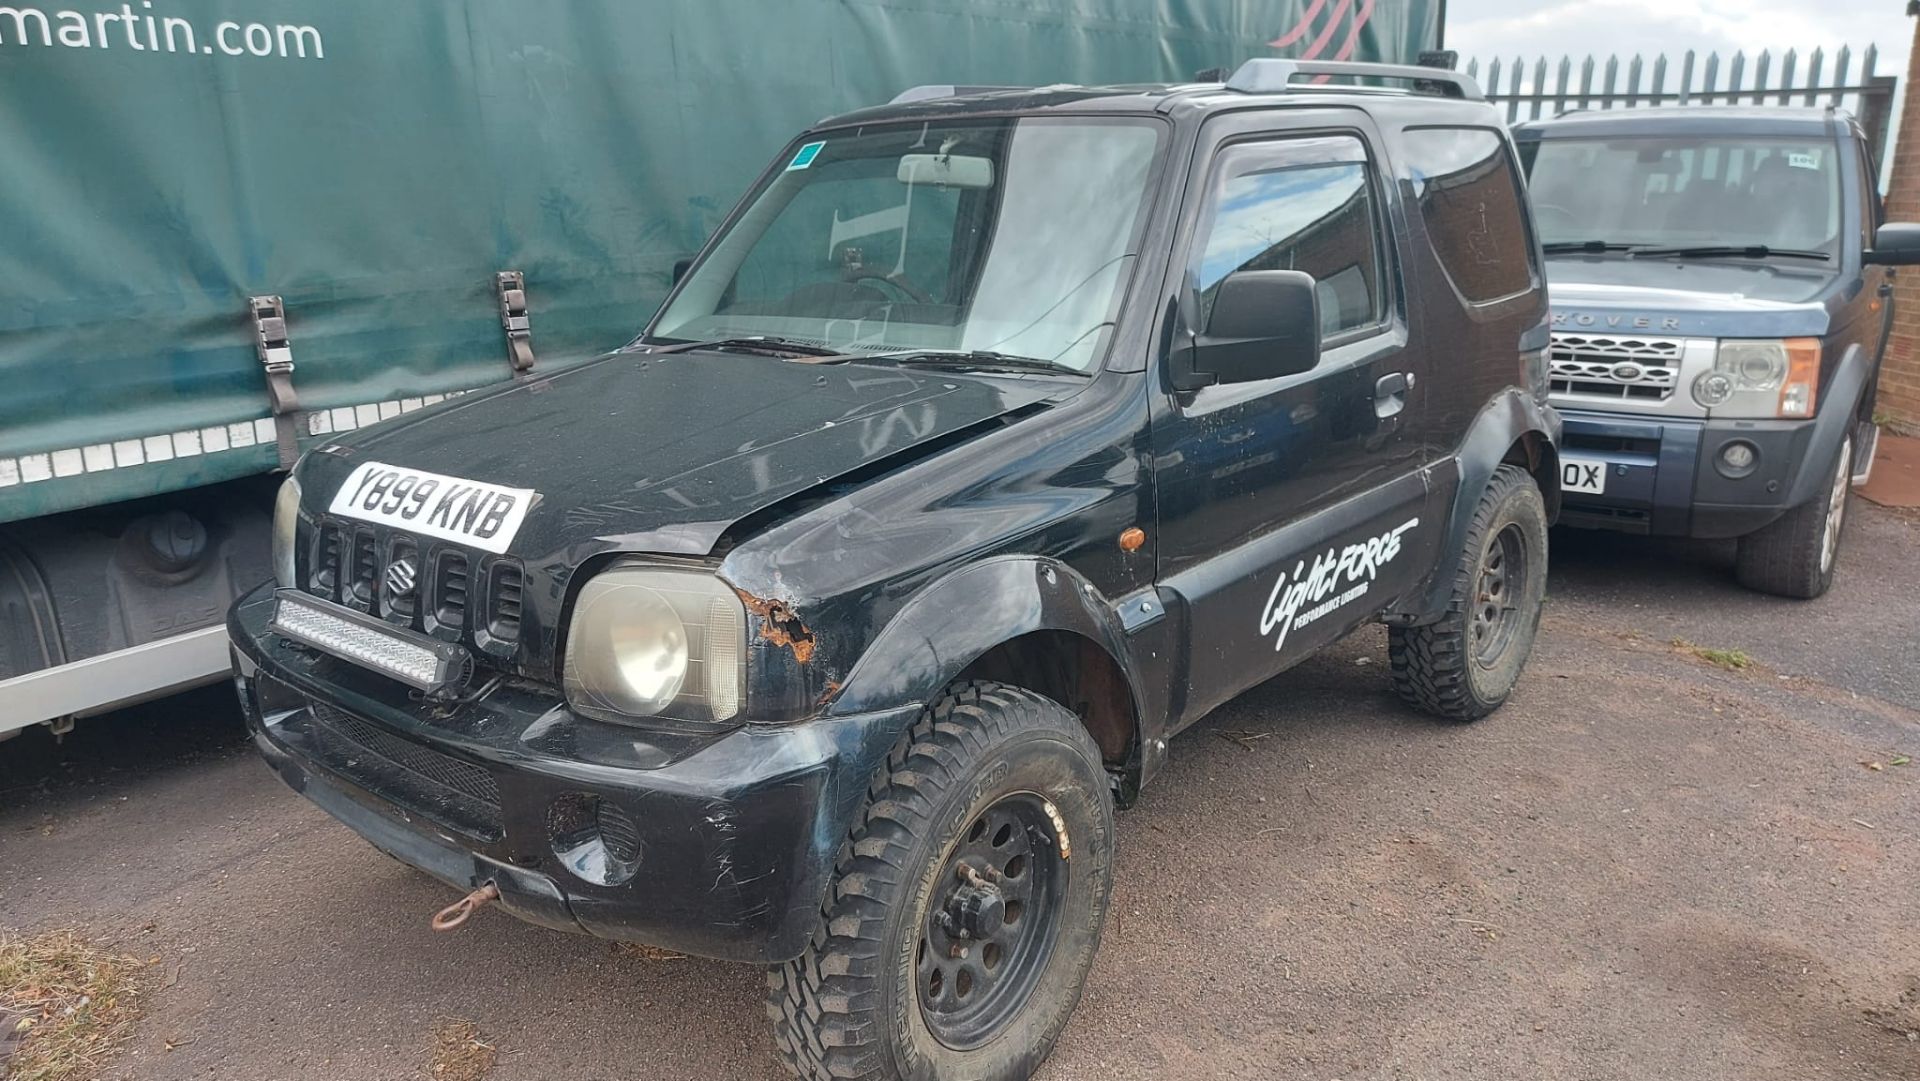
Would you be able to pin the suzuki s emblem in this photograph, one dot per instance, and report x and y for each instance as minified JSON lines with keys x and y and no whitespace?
{"x":1628,"y":373}
{"x":401,"y":577}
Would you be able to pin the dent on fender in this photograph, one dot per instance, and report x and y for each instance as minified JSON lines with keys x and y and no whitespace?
{"x":969,"y":612}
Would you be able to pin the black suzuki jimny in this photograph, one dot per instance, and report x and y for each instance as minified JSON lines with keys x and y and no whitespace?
{"x":996,"y":437}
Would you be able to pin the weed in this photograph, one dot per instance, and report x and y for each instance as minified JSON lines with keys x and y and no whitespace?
{"x":72,"y":1002}
{"x":1732,"y":660}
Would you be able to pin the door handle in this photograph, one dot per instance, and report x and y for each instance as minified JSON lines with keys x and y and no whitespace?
{"x":1390,"y":394}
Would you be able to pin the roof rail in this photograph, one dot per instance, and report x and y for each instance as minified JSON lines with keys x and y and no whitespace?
{"x":930,"y":91}
{"x":1273,"y":75}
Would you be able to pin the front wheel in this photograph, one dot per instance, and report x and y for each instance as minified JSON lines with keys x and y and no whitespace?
{"x":1795,"y":556}
{"x":1462,"y":667}
{"x":966,"y":905}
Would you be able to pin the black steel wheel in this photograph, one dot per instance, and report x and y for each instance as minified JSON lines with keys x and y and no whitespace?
{"x":991,"y":929}
{"x":966,"y":905}
{"x":1498,"y":594}
{"x":1462,"y":666}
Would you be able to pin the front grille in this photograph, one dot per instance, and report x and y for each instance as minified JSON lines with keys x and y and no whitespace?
{"x":456,"y":596}
{"x":363,"y":572}
{"x":1630,"y":369}
{"x":328,"y":552}
{"x":454,"y":793}
{"x":503,"y":605}
{"x":451,"y":578}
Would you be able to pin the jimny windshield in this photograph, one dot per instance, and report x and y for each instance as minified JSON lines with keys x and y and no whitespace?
{"x":1010,"y":236}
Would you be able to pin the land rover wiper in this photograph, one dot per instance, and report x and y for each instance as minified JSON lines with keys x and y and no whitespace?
{"x":1750,"y":251}
{"x":980,"y":359}
{"x":1595,"y":246}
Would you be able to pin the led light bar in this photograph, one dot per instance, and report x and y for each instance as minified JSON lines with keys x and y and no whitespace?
{"x":411,"y":658}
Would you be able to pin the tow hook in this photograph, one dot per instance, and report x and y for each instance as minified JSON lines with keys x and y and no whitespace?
{"x":451,"y":917}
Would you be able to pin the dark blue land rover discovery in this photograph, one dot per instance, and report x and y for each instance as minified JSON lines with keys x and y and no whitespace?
{"x":1721,"y":282}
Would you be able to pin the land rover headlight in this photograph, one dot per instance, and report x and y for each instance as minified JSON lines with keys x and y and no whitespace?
{"x":1761,"y":378}
{"x":649,"y":641}
{"x":286,"y":527}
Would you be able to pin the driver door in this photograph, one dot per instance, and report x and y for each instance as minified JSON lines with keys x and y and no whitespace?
{"x":1291,"y":507}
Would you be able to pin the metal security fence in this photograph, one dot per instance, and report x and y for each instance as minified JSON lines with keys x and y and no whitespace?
{"x":1531,"y":91}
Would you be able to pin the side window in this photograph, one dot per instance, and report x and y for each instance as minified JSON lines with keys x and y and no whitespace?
{"x":1870,"y":209}
{"x":1303,"y":204}
{"x":1469,"y":196}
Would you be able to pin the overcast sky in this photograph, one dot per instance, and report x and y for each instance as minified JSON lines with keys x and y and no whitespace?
{"x":1532,"y":28}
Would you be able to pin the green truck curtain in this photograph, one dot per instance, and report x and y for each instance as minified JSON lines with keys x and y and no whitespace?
{"x":374,"y":163}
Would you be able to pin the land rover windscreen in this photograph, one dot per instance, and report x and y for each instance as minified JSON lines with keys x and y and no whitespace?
{"x":1739,"y":194}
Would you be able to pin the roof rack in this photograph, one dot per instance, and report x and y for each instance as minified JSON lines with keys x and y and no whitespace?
{"x":1273,"y":75}
{"x":930,"y":91}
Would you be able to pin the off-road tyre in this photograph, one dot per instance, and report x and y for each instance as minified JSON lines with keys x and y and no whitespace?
{"x":1795,"y":556}
{"x":1449,"y":668}
{"x":851,"y":1006}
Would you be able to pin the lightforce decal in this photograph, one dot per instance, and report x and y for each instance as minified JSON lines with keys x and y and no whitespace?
{"x":1337,"y":578}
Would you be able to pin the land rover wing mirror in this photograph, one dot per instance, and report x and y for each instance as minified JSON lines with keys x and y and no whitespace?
{"x":1897,"y":243}
{"x":1264,"y":324}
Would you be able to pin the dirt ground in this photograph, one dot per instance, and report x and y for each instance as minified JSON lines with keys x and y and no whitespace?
{"x":1645,"y":867}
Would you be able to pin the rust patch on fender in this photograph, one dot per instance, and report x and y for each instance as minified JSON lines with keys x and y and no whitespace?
{"x":779,"y":625}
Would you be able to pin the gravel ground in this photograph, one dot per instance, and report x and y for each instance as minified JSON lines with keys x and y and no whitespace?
{"x":1645,"y":867}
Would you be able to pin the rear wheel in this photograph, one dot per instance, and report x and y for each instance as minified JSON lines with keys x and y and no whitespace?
{"x":966,"y":905}
{"x":1462,"y":667}
{"x":1795,"y":556}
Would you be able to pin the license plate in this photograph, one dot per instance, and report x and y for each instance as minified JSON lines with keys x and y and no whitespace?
{"x":1585,"y":475}
{"x":471,"y":512}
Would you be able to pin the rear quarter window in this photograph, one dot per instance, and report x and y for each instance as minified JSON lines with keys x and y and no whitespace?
{"x":1468,"y":193}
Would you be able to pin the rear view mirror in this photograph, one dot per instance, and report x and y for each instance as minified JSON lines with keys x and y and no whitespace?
{"x":680,"y":268}
{"x":946,"y":170}
{"x":1896,"y":244}
{"x":1264,"y":324}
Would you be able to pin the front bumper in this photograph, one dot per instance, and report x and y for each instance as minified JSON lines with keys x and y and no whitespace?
{"x":728,"y":837}
{"x":1661,"y":478}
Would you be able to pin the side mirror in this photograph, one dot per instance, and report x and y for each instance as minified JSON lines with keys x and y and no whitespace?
{"x":1264,"y":324}
{"x":1896,"y":244}
{"x":680,"y":268}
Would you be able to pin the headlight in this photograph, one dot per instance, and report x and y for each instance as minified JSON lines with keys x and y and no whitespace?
{"x":1757,"y":378}
{"x":286,"y":527}
{"x":653,"y":642}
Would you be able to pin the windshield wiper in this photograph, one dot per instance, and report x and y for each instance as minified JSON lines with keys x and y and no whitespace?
{"x":762,"y":343}
{"x":981,"y":359}
{"x":1750,"y":251}
{"x":1595,"y":246}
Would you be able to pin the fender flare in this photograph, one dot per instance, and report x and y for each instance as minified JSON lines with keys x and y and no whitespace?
{"x":951,"y":622}
{"x":1508,"y":419}
{"x":1836,"y":417}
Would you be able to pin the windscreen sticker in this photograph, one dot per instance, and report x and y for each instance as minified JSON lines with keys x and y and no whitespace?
{"x":1337,"y":578}
{"x":804,"y":156}
{"x":485,"y":516}
{"x":1802,"y":160}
